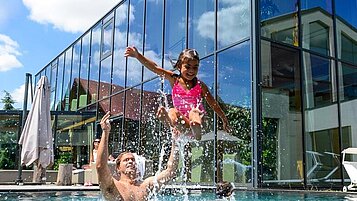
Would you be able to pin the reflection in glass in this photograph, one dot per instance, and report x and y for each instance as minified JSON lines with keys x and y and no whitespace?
{"x":348,"y":82}
{"x":60,"y":78}
{"x":279,"y":20}
{"x":105,"y":78}
{"x":319,"y":81}
{"x":234,"y":92}
{"x":175,"y":28}
{"x":107,"y":39}
{"x":321,"y":123}
{"x":150,"y":125}
{"x":153,"y":35}
{"x":201,"y":25}
{"x":119,"y":47}
{"x":84,"y":71}
{"x":132,"y":118}
{"x":282,"y":119}
{"x":75,"y":76}
{"x":317,"y":26}
{"x":233,"y":22}
{"x":53,"y":82}
{"x":94,"y":62}
{"x":67,"y":79}
{"x":346,"y":25}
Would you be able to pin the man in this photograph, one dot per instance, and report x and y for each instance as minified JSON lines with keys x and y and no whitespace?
{"x":127,"y":187}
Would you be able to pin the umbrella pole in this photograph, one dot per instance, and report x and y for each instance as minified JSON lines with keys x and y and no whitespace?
{"x":19,"y":180}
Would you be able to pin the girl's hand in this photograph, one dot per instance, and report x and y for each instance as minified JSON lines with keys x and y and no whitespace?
{"x":131,"y":52}
{"x":105,"y":123}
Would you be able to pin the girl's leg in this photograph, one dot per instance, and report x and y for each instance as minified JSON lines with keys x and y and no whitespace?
{"x":195,"y":123}
{"x":181,"y":122}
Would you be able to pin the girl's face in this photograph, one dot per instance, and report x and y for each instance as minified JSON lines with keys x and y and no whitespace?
{"x":189,"y":68}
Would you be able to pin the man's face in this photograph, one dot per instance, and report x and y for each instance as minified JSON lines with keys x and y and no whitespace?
{"x":127,"y":164}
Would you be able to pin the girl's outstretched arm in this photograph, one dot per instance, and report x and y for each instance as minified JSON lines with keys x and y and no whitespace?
{"x":151,"y":65}
{"x":215,"y":106}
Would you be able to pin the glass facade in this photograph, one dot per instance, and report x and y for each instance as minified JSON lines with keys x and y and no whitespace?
{"x":302,"y":94}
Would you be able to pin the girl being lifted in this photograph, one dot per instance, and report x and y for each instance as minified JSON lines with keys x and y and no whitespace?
{"x":187,"y":92}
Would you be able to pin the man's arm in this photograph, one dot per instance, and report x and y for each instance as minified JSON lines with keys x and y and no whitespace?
{"x":104,"y":175}
{"x":170,"y":172}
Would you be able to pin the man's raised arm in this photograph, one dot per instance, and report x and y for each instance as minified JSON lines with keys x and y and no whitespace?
{"x":104,"y":175}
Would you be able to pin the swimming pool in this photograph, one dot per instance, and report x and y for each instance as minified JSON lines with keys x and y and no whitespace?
{"x":208,"y":196}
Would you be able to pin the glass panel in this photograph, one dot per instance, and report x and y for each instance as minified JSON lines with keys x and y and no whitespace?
{"x":346,"y":26}
{"x":153,"y":41}
{"x":136,"y":39}
{"x":279,"y":20}
{"x":348,"y":82}
{"x":232,"y":16}
{"x":103,"y":108}
{"x":53,"y":81}
{"x":234,"y":92}
{"x":150,"y":125}
{"x":282,"y":120}
{"x":201,"y":25}
{"x":94,"y":64}
{"x":317,"y":26}
{"x":74,"y":134}
{"x":319,"y":81}
{"x":121,"y":17}
{"x":9,"y":129}
{"x":107,"y":39}
{"x":321,"y":122}
{"x":105,"y":78}
{"x":83,"y":84}
{"x":75,"y":76}
{"x":132,"y":117}
{"x":60,"y":73}
{"x":175,"y":28}
{"x":67,"y":80}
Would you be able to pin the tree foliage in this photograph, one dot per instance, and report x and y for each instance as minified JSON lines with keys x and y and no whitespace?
{"x":8,"y":101}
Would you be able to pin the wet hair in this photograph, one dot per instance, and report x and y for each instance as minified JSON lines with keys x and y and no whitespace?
{"x":118,"y":159}
{"x":186,"y":54}
{"x":224,"y":189}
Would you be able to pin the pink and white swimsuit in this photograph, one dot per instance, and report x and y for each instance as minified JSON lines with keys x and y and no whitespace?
{"x":184,"y":101}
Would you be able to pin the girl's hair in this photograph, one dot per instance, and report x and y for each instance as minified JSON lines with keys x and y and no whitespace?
{"x":187,"y":54}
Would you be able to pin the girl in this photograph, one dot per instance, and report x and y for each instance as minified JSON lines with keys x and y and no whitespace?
{"x":187,"y":92}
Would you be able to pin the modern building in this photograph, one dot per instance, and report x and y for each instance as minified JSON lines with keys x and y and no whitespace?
{"x":285,"y":73}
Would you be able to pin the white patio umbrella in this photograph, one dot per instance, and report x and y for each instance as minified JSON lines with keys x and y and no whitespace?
{"x":36,"y":136}
{"x":221,"y":135}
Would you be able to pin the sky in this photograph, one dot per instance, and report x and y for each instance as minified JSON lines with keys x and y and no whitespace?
{"x":33,"y":32}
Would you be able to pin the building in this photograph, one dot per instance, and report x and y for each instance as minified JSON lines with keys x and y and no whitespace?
{"x":285,"y":73}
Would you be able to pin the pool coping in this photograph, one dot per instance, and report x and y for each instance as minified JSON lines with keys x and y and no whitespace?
{"x":192,"y":189}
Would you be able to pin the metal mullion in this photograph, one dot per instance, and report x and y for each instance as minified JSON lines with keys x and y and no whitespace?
{"x":215,"y":154}
{"x":256,"y":124}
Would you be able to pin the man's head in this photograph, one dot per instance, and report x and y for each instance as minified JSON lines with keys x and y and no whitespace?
{"x":224,"y":189}
{"x":126,"y":164}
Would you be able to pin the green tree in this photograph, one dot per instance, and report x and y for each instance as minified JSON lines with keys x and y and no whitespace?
{"x":7,"y":135}
{"x":7,"y":101}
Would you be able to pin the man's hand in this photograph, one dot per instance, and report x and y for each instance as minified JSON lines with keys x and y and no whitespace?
{"x":105,"y":123}
{"x":131,"y":52}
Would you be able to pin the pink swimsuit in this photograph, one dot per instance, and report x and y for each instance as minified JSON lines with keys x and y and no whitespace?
{"x":184,"y":100}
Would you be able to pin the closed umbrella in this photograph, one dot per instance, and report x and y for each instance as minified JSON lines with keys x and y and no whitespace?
{"x":36,"y":136}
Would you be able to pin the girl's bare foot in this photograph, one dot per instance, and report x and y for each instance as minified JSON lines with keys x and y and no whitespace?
{"x":163,"y":116}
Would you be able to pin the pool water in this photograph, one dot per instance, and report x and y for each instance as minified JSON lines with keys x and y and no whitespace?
{"x":205,"y":196}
